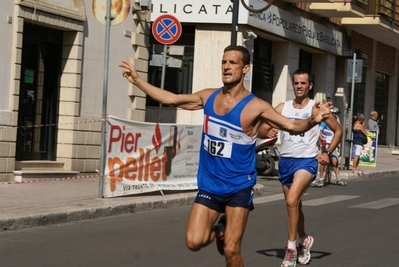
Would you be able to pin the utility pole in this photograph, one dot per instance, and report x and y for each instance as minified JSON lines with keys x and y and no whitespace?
{"x":234,"y":23}
{"x":105,"y":95}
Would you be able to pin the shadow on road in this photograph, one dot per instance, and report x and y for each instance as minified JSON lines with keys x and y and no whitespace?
{"x":280,"y":253}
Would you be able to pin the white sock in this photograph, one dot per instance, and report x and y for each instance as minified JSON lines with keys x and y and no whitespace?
{"x":292,"y":245}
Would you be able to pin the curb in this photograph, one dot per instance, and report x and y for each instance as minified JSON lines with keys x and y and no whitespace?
{"x":104,"y":210}
{"x":368,"y":175}
{"x":89,"y":213}
{"x":74,"y":214}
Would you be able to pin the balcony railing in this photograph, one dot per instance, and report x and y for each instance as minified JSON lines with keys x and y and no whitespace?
{"x":362,"y":3}
{"x":388,"y":8}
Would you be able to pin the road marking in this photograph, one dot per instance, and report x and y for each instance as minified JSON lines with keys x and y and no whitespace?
{"x":327,"y":200}
{"x":379,"y":204}
{"x":266,"y":199}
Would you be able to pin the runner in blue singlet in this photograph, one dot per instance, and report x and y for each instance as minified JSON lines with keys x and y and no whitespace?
{"x":226,"y":175}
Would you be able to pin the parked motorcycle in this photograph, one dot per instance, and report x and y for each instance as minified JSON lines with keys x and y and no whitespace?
{"x":266,"y":156}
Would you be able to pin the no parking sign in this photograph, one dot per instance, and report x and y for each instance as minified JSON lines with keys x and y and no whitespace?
{"x":166,"y":29}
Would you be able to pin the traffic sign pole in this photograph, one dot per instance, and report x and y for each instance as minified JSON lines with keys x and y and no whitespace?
{"x":234,"y":23}
{"x":166,"y":29}
{"x":165,"y":50}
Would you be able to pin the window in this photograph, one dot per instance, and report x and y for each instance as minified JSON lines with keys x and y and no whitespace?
{"x":360,"y":95}
{"x":381,"y":104}
{"x":262,"y":82}
{"x":305,"y":62}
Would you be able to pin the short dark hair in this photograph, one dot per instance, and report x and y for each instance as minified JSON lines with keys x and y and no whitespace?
{"x":303,"y":71}
{"x":246,"y":57}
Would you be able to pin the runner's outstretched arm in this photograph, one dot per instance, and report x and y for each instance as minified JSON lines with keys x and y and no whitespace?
{"x":186,"y":101}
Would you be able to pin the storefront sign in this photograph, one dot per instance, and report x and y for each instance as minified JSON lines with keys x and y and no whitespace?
{"x":297,"y":28}
{"x":201,"y":11}
{"x":273,"y":20}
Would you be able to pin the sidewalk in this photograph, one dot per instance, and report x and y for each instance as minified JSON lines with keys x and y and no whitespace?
{"x":59,"y":201}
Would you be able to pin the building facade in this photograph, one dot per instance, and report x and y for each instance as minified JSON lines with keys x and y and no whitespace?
{"x":322,"y":37}
{"x":52,"y":63}
{"x":53,"y":66}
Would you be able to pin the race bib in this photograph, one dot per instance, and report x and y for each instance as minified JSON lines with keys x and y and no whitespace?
{"x":218,"y":148}
{"x":298,"y":138}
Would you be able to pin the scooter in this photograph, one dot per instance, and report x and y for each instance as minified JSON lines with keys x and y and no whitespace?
{"x":266,"y":156}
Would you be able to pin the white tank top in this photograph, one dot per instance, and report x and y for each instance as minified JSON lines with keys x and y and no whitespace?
{"x":303,"y":145}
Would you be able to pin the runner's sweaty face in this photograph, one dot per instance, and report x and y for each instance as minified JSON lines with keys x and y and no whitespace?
{"x":233,"y":68}
{"x":301,"y":85}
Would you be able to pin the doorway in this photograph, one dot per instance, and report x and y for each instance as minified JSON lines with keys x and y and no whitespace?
{"x":38,"y":95}
{"x":263,"y":70}
{"x":381,"y":104}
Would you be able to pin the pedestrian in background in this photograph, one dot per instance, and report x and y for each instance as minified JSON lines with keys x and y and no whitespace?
{"x":372,"y":123}
{"x":326,"y":135}
{"x":359,"y":134}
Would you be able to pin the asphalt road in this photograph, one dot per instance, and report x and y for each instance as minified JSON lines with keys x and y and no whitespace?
{"x":354,"y":225}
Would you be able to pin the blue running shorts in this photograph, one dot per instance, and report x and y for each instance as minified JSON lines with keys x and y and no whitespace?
{"x":287,"y":167}
{"x":243,"y":198}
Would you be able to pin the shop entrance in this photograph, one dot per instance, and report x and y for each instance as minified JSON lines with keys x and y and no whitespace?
{"x":38,"y":95}
{"x":262,"y":81}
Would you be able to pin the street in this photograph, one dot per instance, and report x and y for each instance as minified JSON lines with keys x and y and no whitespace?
{"x":355,"y":225}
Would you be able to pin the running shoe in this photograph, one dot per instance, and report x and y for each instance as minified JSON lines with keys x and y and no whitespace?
{"x":290,"y":258}
{"x":304,"y":250}
{"x":220,"y":239}
{"x":316,"y":183}
{"x":340,"y":182}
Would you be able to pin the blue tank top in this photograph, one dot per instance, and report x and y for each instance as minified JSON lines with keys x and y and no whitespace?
{"x":227,"y":155}
{"x":357,"y":137}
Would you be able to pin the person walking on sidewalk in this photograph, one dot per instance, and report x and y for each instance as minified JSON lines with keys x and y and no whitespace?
{"x":226,"y":172}
{"x":326,"y":135}
{"x":372,"y":123}
{"x":359,"y":135}
{"x":299,"y":163}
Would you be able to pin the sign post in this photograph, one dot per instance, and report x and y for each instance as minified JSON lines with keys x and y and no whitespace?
{"x":105,"y":95}
{"x":354,"y":76}
{"x":166,"y":29}
{"x":106,"y":13}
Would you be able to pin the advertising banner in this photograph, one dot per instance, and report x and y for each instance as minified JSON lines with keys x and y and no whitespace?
{"x":145,"y":157}
{"x":368,"y":156}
